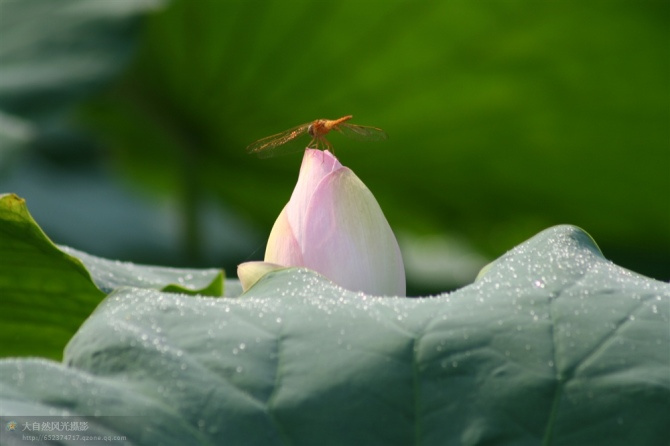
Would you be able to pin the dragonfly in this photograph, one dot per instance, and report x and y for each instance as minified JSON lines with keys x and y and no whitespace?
{"x":276,"y":144}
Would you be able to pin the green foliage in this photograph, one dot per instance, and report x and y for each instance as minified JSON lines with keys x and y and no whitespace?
{"x":53,"y":55}
{"x":552,"y":345}
{"x":109,"y":275}
{"x":503,"y":117}
{"x":48,"y":291}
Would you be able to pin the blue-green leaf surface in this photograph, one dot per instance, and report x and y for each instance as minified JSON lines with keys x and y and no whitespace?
{"x":111,"y":274}
{"x":50,"y":290}
{"x":552,"y":345}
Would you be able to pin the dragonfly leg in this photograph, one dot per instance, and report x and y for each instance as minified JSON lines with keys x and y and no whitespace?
{"x":328,"y":145}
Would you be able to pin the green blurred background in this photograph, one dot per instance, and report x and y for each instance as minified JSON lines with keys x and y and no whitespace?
{"x":124,"y":123}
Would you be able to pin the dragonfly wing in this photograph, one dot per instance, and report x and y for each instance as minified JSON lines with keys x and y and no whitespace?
{"x":362,"y":132}
{"x":274,"y":144}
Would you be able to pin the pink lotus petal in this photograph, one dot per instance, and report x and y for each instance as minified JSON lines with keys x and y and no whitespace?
{"x":283,"y":247}
{"x":348,"y":239}
{"x":333,"y":225}
{"x":316,"y":165}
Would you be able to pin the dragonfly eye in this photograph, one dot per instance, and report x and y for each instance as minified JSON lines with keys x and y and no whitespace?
{"x":310,"y":130}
